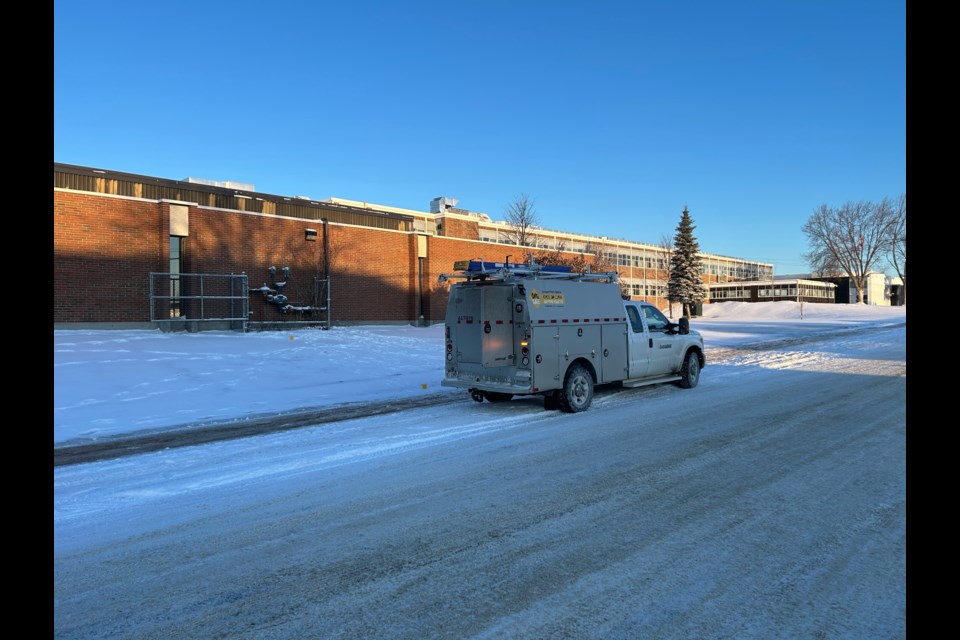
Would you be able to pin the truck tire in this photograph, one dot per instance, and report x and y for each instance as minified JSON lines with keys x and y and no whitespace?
{"x":577,"y":393}
{"x":690,"y":371}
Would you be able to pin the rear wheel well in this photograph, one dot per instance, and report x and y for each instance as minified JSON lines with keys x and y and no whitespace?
{"x":586,"y":364}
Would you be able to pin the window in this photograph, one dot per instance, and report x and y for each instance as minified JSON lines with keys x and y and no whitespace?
{"x":655,"y":320}
{"x":634,"y":318}
{"x":656,"y":290}
{"x":176,"y":265}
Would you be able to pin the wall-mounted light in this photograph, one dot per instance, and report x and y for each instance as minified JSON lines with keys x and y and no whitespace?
{"x":310,"y":234}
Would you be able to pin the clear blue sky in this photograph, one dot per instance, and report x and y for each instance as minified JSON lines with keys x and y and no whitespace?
{"x":611,"y":115}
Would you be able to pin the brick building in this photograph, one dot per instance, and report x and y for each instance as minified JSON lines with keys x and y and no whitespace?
{"x":134,"y":251}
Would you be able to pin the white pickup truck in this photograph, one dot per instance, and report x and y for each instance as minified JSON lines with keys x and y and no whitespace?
{"x":514,"y":329}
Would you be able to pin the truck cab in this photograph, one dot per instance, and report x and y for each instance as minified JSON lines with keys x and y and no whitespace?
{"x":656,"y":343}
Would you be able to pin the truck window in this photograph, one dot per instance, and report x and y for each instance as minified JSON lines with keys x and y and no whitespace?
{"x":655,"y":320}
{"x":634,"y":318}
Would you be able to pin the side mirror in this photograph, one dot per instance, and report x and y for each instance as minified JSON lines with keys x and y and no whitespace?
{"x":684,"y":325}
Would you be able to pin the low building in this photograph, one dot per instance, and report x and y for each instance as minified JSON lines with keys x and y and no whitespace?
{"x":880,"y":289}
{"x":775,"y":290}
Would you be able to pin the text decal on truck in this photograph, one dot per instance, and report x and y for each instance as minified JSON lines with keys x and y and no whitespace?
{"x":549,"y":298}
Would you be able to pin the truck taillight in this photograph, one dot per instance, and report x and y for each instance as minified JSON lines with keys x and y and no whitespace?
{"x":449,"y":346}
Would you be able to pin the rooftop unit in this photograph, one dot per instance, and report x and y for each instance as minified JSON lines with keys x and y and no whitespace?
{"x":441,"y":204}
{"x":227,"y":184}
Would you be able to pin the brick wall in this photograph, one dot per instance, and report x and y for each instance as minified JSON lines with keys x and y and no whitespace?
{"x":104,"y":247}
{"x":458,"y":228}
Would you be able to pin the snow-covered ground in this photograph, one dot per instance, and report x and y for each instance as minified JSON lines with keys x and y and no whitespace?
{"x":110,"y":382}
{"x":768,"y":502}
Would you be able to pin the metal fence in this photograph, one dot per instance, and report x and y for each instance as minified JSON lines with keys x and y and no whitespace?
{"x":181,"y":298}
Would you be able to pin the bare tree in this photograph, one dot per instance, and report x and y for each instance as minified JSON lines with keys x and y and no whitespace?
{"x":666,"y":246}
{"x":898,"y":241}
{"x":522,"y":217}
{"x":849,"y":240}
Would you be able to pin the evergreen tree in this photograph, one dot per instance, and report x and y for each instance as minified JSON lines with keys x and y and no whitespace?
{"x":686,"y":277}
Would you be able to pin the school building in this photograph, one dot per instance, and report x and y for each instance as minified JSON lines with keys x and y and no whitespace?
{"x":134,"y":251}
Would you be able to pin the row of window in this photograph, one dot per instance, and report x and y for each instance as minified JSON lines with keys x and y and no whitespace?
{"x":650,"y":290}
{"x":656,"y":261}
{"x":728,"y":294}
{"x":791,"y":291}
{"x":576,"y":247}
{"x":737,"y":271}
{"x":631,"y":260}
{"x":786,"y":291}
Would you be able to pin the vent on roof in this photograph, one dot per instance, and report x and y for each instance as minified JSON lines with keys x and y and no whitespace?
{"x":441,"y":204}
{"x":227,"y":184}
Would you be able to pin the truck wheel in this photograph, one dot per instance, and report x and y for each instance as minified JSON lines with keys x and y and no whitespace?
{"x":690,"y":371}
{"x":577,"y":391}
{"x":498,"y":397}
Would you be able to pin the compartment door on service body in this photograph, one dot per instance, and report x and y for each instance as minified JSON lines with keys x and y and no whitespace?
{"x":466,"y":326}
{"x":496,"y":323}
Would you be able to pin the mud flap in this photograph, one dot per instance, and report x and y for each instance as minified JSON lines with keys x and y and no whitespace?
{"x":551,"y":401}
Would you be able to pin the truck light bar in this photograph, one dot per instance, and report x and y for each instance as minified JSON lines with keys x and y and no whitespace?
{"x":480,"y":270}
{"x":481,"y":266}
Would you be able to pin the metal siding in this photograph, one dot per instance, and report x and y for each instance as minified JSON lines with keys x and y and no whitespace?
{"x":592,"y":301}
{"x":96,"y":181}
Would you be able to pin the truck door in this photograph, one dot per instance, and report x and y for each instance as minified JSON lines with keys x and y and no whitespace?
{"x":664,"y":355}
{"x":496,"y":324}
{"x":546,"y":357}
{"x":465,"y":324}
{"x":637,"y":343}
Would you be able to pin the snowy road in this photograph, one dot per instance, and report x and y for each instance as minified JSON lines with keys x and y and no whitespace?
{"x":769,"y":502}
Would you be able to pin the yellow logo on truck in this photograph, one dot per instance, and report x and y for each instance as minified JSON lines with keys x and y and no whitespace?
{"x":548,"y":298}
